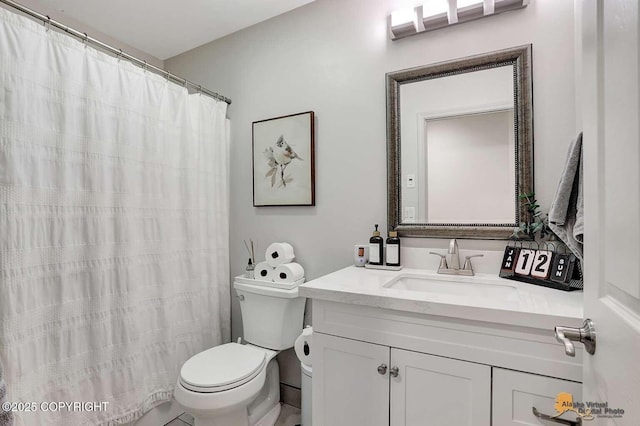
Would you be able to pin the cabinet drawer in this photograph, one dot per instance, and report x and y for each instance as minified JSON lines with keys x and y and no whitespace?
{"x":515,"y":393}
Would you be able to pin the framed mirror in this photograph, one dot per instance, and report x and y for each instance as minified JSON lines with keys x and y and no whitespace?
{"x":460,"y":146}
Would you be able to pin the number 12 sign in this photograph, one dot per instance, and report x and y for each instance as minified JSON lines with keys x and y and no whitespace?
{"x":536,"y":263}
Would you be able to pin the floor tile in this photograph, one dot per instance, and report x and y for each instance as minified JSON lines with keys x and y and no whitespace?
{"x":187,"y":418}
{"x":289,"y":416}
{"x":177,"y":422}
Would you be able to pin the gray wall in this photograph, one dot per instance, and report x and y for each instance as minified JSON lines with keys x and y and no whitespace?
{"x":55,"y":14}
{"x":331,"y":57}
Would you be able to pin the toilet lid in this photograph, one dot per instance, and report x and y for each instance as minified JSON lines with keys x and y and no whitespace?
{"x":222,"y":367}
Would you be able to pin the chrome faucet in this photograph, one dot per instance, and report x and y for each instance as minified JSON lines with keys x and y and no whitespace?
{"x":454,"y":261}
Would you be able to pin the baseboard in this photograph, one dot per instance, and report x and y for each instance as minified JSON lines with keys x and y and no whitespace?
{"x":290,"y":395}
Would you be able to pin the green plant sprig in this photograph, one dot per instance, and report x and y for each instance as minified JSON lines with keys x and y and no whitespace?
{"x":537,"y":223}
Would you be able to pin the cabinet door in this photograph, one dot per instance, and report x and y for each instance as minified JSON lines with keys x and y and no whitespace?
{"x":432,"y":390}
{"x":347,"y":387}
{"x":515,"y":394}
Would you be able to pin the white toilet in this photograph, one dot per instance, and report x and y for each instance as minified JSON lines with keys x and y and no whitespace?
{"x":239,"y":385}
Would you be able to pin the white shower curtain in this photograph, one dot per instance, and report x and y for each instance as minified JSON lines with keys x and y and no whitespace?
{"x":114,"y":219}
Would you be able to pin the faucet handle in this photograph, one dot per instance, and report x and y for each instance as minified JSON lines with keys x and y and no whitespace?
{"x":467,"y":262}
{"x":443,"y":260}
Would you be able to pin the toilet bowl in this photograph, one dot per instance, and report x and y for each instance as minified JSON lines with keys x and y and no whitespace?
{"x":216,"y":386}
{"x":239,"y":385}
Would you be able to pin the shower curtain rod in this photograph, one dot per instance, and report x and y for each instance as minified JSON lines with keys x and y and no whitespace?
{"x":118,"y":52}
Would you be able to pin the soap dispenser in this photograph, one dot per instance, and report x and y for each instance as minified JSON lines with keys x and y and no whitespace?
{"x":376,"y":247}
{"x":393,"y":249}
{"x":250,"y":270}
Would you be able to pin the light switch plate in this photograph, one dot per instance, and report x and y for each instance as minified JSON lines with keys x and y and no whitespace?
{"x":409,"y":214}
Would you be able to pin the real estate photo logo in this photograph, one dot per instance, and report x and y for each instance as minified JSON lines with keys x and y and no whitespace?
{"x":586,"y":410}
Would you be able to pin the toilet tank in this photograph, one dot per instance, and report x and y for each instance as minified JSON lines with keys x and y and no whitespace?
{"x":271,"y":317}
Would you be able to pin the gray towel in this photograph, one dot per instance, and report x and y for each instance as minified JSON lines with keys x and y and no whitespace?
{"x":566,"y":216}
{"x":6,"y":417}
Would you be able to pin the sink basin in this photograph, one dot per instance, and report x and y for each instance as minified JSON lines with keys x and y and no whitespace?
{"x":453,"y":286}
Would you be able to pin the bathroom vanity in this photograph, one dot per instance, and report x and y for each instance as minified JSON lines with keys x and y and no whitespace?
{"x":416,"y":348}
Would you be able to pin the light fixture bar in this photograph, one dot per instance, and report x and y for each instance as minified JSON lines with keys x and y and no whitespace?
{"x":489,"y":7}
{"x":468,"y":10}
{"x":404,"y":22}
{"x":435,"y":14}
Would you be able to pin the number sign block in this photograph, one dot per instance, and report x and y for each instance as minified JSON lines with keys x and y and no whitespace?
{"x":509,"y":259}
{"x":541,"y":264}
{"x":547,"y":268}
{"x":525,"y":261}
{"x":562,"y":268}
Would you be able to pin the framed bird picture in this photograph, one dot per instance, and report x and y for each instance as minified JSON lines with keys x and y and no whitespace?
{"x":284,"y":161}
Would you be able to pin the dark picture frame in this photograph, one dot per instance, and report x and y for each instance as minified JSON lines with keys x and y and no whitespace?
{"x":283,"y":160}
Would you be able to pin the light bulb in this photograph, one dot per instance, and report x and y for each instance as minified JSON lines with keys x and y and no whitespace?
{"x":434,"y":7}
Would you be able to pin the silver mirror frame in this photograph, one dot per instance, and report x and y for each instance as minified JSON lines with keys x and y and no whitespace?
{"x":520,"y":57}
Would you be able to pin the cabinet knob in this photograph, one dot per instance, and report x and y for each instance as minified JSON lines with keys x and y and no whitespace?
{"x":393,"y":372}
{"x":382,"y":369}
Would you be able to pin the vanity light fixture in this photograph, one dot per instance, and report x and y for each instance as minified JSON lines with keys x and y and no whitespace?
{"x":468,"y":10}
{"x":404,"y":22}
{"x":434,"y":14}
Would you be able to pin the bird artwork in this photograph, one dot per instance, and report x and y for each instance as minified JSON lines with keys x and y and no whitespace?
{"x":279,"y":157}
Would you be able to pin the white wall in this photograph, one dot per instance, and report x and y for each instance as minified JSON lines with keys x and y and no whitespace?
{"x":331,"y":57}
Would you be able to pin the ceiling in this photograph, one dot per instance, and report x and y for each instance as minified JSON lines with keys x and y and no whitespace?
{"x":166,"y":28}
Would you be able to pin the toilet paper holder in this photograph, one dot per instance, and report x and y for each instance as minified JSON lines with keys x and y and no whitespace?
{"x":302,"y":346}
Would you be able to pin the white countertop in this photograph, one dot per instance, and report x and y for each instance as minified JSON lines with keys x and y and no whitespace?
{"x":526,"y":305}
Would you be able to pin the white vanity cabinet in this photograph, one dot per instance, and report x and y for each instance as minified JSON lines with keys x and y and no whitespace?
{"x":368,"y":384}
{"x":377,"y":366}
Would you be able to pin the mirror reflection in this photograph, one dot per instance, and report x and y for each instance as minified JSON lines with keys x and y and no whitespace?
{"x":458,"y":149}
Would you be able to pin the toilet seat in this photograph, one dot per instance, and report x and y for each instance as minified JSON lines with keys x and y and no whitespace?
{"x":222,"y":368}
